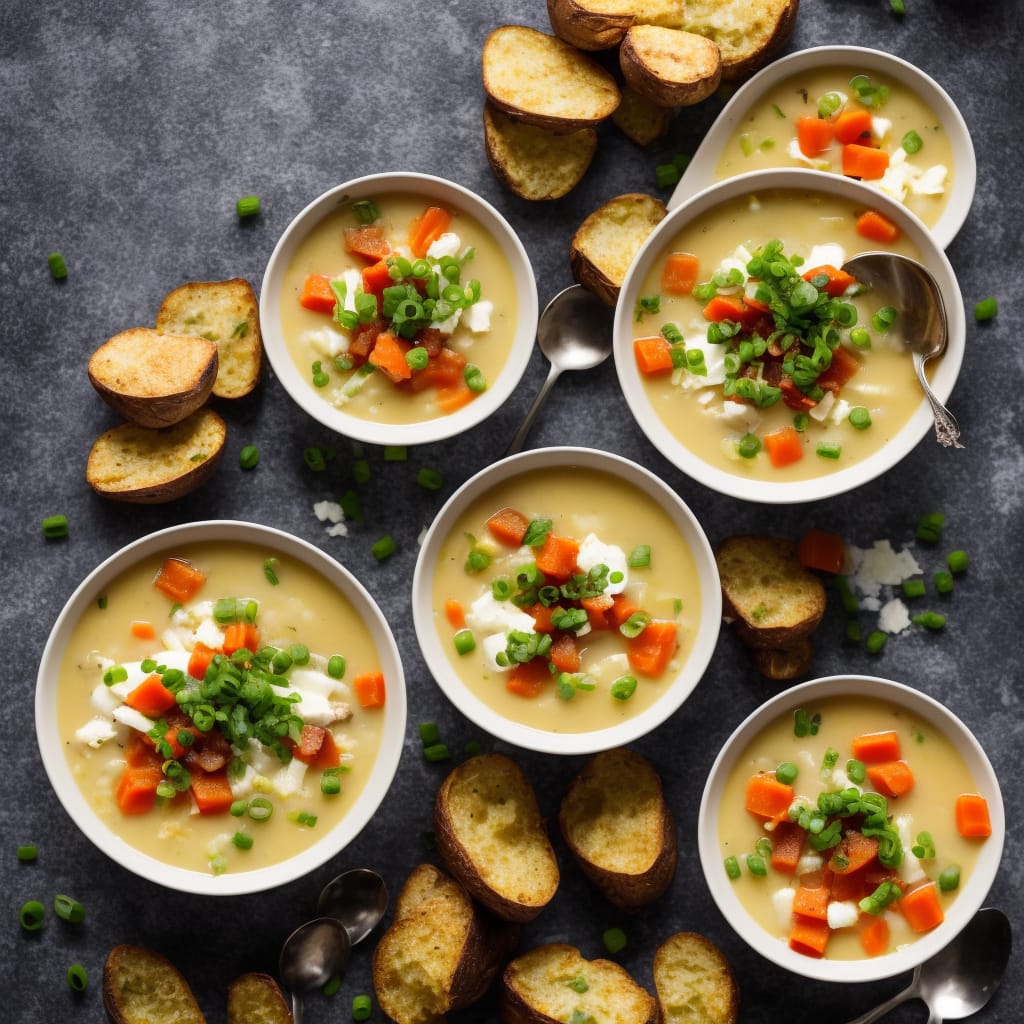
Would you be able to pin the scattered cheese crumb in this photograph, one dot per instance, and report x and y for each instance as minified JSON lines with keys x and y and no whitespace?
{"x":331,"y":512}
{"x":893,"y":616}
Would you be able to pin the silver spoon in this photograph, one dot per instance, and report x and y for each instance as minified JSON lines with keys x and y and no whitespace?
{"x":575,"y":333}
{"x":313,"y":954}
{"x":358,"y":899}
{"x":962,"y":978}
{"x":923,"y":319}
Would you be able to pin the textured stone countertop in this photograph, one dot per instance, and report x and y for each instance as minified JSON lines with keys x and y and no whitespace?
{"x":128,"y":131}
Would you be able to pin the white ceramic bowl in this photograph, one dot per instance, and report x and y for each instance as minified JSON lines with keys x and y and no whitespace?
{"x":425,"y":615}
{"x":297,"y":381}
{"x":701,"y":171}
{"x":52,"y":744}
{"x":975,"y":886}
{"x":827,"y":485}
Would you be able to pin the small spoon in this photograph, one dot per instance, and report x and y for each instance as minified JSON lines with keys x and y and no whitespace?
{"x":963,"y":977}
{"x":313,"y":954}
{"x":923,"y":318}
{"x":575,"y":333}
{"x":358,"y":899}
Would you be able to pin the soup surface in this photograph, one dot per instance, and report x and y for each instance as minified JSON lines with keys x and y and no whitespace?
{"x":574,"y":608}
{"x":915,"y":160}
{"x":394,"y":322}
{"x":141,"y":631}
{"x":924,"y":819}
{"x":730,"y":383}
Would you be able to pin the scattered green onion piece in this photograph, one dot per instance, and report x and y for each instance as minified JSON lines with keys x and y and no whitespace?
{"x":578,"y":984}
{"x":395,"y":453}
{"x":260,"y":808}
{"x":55,"y":527}
{"x":624,"y":687}
{"x":352,"y":506}
{"x":913,"y":588}
{"x":805,"y":724}
{"x":429,"y":479}
{"x":383,"y":548}
{"x":949,"y":878}
{"x":68,"y":909}
{"x":929,"y":527}
{"x":852,"y":633}
{"x":829,"y":104}
{"x":536,"y":532}
{"x":829,"y":450}
{"x":756,"y":865}
{"x":897,"y":7}
{"x":860,"y":418}
{"x":238,"y":808}
{"x":856,"y":772}
{"x":748,"y":446}
{"x":474,"y":378}
{"x":361,"y":471}
{"x":986,"y":309}
{"x":472,"y":748}
{"x":436,"y":752}
{"x":911,"y":142}
{"x":925,"y":846}
{"x":787,"y":772}
{"x":249,"y":456}
{"x":305,"y":818}
{"x":732,"y":867}
{"x":366,"y":211}
{"x":361,"y":1007}
{"x":829,"y":760}
{"x":330,"y":783}
{"x":31,"y":915}
{"x":957,"y":561}
{"x":429,"y":733}
{"x":646,"y":304}
{"x":270,"y":571}
{"x":242,"y":840}
{"x":763,"y":846}
{"x":943,"y":582}
{"x":332,"y":987}
{"x":801,"y":421}
{"x":78,"y":978}
{"x":614,"y":940}
{"x":930,"y":620}
{"x":639,"y":557}
{"x":876,"y":641}
{"x":666,"y":175}
{"x":314,"y":458}
{"x":248,"y":206}
{"x":464,"y":642}
{"x":27,"y":853}
{"x":884,"y":318}
{"x":501,"y":589}
{"x":58,"y":268}
{"x":336,"y":666}
{"x":634,"y":625}
{"x":860,"y":337}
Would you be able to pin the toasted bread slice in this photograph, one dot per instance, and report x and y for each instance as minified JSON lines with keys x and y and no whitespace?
{"x":770,"y":597}
{"x":151,"y":379}
{"x":141,"y":986}
{"x":540,"y":79}
{"x":440,"y":953}
{"x":147,"y":466}
{"x":669,"y":66}
{"x":618,"y":827}
{"x":783,"y":663}
{"x":694,"y":982}
{"x":641,"y":120}
{"x":749,"y":33}
{"x":535,"y":163}
{"x":605,"y":244}
{"x":224,"y":312}
{"x":535,"y":989}
{"x":491,"y":837}
{"x":257,"y":999}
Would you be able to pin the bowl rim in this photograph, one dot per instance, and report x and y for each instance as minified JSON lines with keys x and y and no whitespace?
{"x":81,"y":811}
{"x":972,"y":895}
{"x":814,"y":488}
{"x":701,"y":170}
{"x":301,"y":390}
{"x":529,"y":737}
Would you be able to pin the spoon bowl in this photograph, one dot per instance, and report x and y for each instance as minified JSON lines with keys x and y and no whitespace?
{"x":963,"y":977}
{"x":574,"y":333}
{"x":313,"y":954}
{"x":358,"y":899}
{"x":923,"y":319}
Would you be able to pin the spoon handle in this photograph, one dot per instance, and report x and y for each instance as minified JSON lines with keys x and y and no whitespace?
{"x":889,"y":1004}
{"x":296,"y":1009}
{"x":947,"y":430}
{"x":521,"y":434}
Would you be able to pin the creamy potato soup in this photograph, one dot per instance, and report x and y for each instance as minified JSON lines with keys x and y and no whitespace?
{"x":398,"y":311}
{"x":214,"y":718}
{"x":832,"y":119}
{"x":567,"y":599}
{"x":759,"y":354}
{"x":840,"y":826}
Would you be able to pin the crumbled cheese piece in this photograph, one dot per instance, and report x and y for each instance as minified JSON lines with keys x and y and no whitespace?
{"x":816,"y":162}
{"x":830,"y":254}
{"x":737,"y":261}
{"x":930,"y":182}
{"x":893,"y":616}
{"x":842,"y":913}
{"x":331,"y":512}
{"x":478,"y":317}
{"x":289,"y":780}
{"x":103,"y":700}
{"x":880,"y":565}
{"x":96,"y":732}
{"x":447,"y":244}
{"x":448,"y":326}
{"x":880,"y":127}
{"x":782,"y":904}
{"x":487,"y":615}
{"x":594,"y":552}
{"x":492,"y":645}
{"x":714,"y":362}
{"x":910,"y":869}
{"x":314,"y":680}
{"x":824,"y":407}
{"x":809,"y":862}
{"x":242,"y":785}
{"x":132,"y":718}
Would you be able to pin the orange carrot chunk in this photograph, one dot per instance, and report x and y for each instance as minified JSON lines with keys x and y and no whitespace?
{"x":787,"y":845}
{"x":809,"y":936}
{"x":972,"y":817}
{"x":838,"y":280}
{"x":864,"y":162}
{"x":814,"y":135}
{"x":853,"y":125}
{"x":653,"y":650}
{"x":874,"y":934}
{"x":239,"y":636}
{"x":564,"y":655}
{"x":142,"y":630}
{"x":839,"y":371}
{"x":874,"y":226}
{"x":179,"y":580}
{"x":151,"y":697}
{"x":316,"y":747}
{"x":136,"y":789}
{"x":921,"y":908}
{"x":557,"y":556}
{"x":211,"y":791}
{"x":653,"y":355}
{"x":876,"y":747}
{"x":427,"y":228}
{"x":853,"y":852}
{"x":509,"y":526}
{"x":891,"y":778}
{"x":812,"y":901}
{"x":368,"y":241}
{"x":455,"y":613}
{"x":528,"y":678}
{"x":783,"y":446}
{"x":369,"y":689}
{"x":388,"y":355}
{"x":767,"y":797}
{"x":199,"y":660}
{"x":453,"y":397}
{"x":732,"y":307}
{"x":817,"y":549}
{"x":377,"y":277}
{"x":679,"y":275}
{"x":597,"y":609}
{"x":317,"y":294}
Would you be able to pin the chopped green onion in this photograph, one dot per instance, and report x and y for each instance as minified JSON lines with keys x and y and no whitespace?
{"x":897,"y":7}
{"x":666,"y":175}
{"x":624,"y":687}
{"x":366,"y":211}
{"x":314,"y":458}
{"x":248,"y":206}
{"x":436,"y":752}
{"x":860,"y":418}
{"x":270,"y":571}
{"x":332,"y":986}
{"x":537,"y":532}
{"x":756,"y":865}
{"x":31,"y":915}
{"x":911,"y":142}
{"x":614,"y":940}
{"x":474,"y":378}
{"x":78,"y":978}
{"x":361,"y":471}
{"x":238,"y":808}
{"x":395,"y":453}
{"x":249,"y":456}
{"x":884,"y":318}
{"x":646,"y":304}
{"x":27,"y":853}
{"x":801,"y":421}
{"x":361,"y":1007}
{"x":860,"y":337}
{"x":429,"y":479}
{"x":829,"y":760}
{"x":336,"y":666}
{"x":829,"y":104}
{"x":383,"y":548}
{"x":68,"y":909}
{"x":260,"y":808}
{"x":57,"y":266}
{"x":913,"y":588}
{"x":876,"y":641}
{"x":242,"y":840}
{"x":929,"y":527}
{"x":634,"y":625}
{"x":943,"y":582}
{"x":732,"y":867}
{"x":957,"y":561}
{"x":786,"y":772}
{"x":805,"y":724}
{"x":55,"y":527}
{"x":829,"y":449}
{"x":925,"y":846}
{"x":930,"y":620}
{"x":578,"y":984}
{"x":330,"y":783}
{"x":856,"y":771}
{"x":464,"y":641}
{"x":985,"y":309}
{"x":949,"y":878}
{"x":429,"y":733}
{"x":748,"y":446}
{"x":477,"y":560}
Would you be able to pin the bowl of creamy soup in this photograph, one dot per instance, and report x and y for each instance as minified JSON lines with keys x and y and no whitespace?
{"x":754,"y":361}
{"x":847,"y":110}
{"x":566,"y":600}
{"x":850,"y":827}
{"x":399,"y":308}
{"x":220,"y":707}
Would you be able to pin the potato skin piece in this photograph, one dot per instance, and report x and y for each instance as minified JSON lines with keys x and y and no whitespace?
{"x":587,"y":29}
{"x":669,"y":66}
{"x":257,"y":999}
{"x":141,"y":985}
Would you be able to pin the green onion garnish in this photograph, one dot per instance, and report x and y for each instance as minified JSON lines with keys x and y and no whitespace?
{"x":395,"y":453}
{"x":248,"y":206}
{"x":624,"y":687}
{"x":27,"y":853}
{"x":436,"y":752}
{"x":930,"y":620}
{"x":361,"y":1007}
{"x":985,"y":310}
{"x":614,"y":940}
{"x":260,"y":808}
{"x":384,"y":547}
{"x":875,"y":641}
{"x":911,"y":142}
{"x":860,"y":418}
{"x":31,"y":915}
{"x":249,"y":456}
{"x":464,"y":641}
{"x":732,"y":867}
{"x":57,"y":266}
{"x":786,"y":772}
{"x":429,"y":479}
{"x":55,"y":527}
{"x":78,"y":978}
{"x":913,"y":588}
{"x":336,"y":666}
{"x":949,"y":878}
{"x":68,"y":909}
{"x":957,"y":561}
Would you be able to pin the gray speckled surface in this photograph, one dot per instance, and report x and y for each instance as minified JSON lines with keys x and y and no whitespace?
{"x":128,"y":132}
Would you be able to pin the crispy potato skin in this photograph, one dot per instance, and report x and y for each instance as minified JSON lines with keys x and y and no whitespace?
{"x":694,"y":982}
{"x":141,"y":986}
{"x":257,"y":999}
{"x":585,"y":28}
{"x":670,"y":67}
